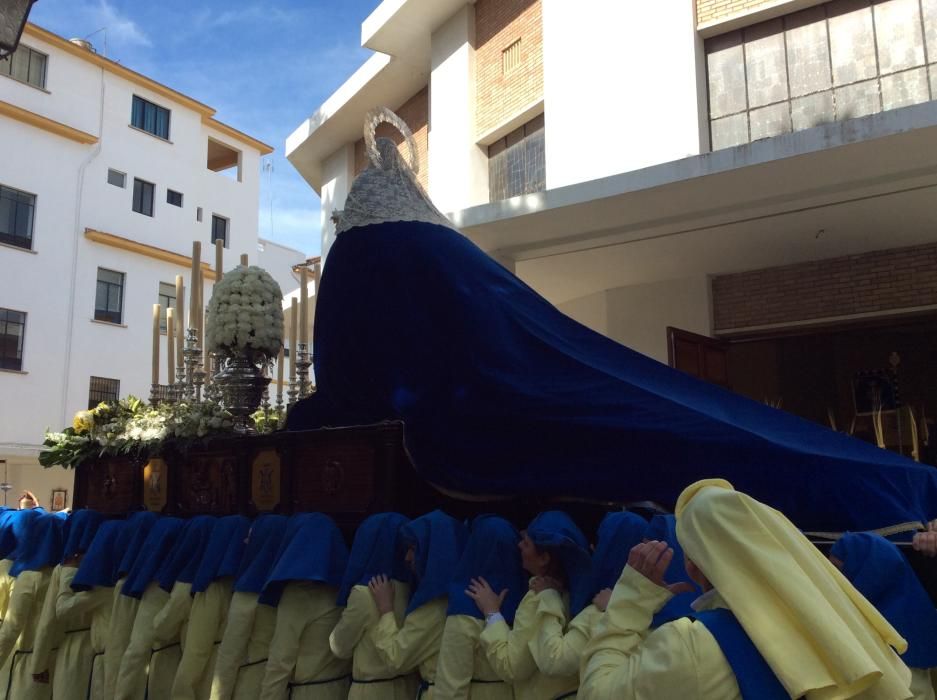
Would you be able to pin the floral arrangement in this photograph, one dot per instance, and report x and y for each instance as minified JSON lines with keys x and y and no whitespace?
{"x":132,"y":426}
{"x":246,"y":315}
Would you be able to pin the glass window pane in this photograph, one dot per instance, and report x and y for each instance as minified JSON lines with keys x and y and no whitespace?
{"x":37,"y":69}
{"x":24,"y":220}
{"x":109,"y":276}
{"x":149,"y":118}
{"x":147,"y":198}
{"x":20,"y":68}
{"x":162,"y":122}
{"x":6,"y":66}
{"x":116,"y":178}
{"x":7,"y":214}
{"x":136,"y":116}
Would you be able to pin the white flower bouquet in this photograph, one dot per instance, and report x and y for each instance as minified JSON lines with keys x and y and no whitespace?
{"x":245,"y":315}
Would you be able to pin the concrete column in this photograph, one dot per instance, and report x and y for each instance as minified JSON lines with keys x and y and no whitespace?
{"x":458,"y":167}
{"x":338,"y":171}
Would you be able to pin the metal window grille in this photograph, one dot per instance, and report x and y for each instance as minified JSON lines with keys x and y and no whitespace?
{"x":517,"y":162}
{"x":511,"y":57}
{"x":143,"y":197}
{"x":26,"y":65}
{"x":150,"y":117}
{"x":103,"y":389}
{"x":109,"y":296}
{"x":12,"y":333}
{"x":17,"y":210}
{"x":219,"y":229}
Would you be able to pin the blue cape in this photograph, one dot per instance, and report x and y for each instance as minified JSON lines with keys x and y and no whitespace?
{"x":187,"y":552}
{"x":663,"y":528}
{"x":223,"y":552}
{"x":880,"y":572}
{"x":132,"y":538}
{"x":312,"y":550}
{"x":377,"y":549}
{"x":42,"y":546}
{"x":154,"y":551}
{"x":263,"y":543}
{"x":14,"y":524}
{"x":438,"y":540}
{"x":618,"y":533}
{"x":82,"y":525}
{"x":98,"y":567}
{"x":500,"y":393}
{"x":555,"y":531}
{"x":491,"y":553}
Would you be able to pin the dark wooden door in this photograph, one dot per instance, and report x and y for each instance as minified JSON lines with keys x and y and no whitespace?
{"x":699,"y":355}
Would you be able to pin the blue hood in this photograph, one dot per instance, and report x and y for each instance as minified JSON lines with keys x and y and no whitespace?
{"x":880,"y":572}
{"x":312,"y":550}
{"x":223,"y":552}
{"x":491,"y":553}
{"x":132,"y":538}
{"x":42,"y":546}
{"x":663,"y":528}
{"x":153,"y":553}
{"x":439,"y":540}
{"x":263,"y":543}
{"x":14,"y":525}
{"x":187,"y":552}
{"x":618,"y":533}
{"x":556,"y":532}
{"x":99,"y":565}
{"x":81,"y":527}
{"x":377,"y":549}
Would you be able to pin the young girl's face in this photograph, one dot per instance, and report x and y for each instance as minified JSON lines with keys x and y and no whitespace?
{"x":410,"y":558}
{"x":534,"y":561}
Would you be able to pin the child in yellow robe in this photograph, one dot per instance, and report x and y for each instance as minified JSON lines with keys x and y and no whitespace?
{"x":435,"y":542}
{"x":377,"y":550}
{"x":304,"y":583}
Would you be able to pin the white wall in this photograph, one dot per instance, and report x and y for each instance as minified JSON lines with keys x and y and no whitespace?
{"x":278,"y":260}
{"x":338,"y":171}
{"x":623,"y":87}
{"x":458,"y":168}
{"x":591,"y":311}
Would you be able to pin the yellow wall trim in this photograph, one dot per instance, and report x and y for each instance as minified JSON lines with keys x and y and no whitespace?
{"x":240,"y":136}
{"x":46,"y":124}
{"x":109,"y":239}
{"x":144,"y":82}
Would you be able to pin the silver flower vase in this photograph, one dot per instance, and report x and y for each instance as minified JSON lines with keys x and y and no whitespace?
{"x":242,"y":387}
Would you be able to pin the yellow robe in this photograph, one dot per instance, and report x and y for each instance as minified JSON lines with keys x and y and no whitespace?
{"x":202,"y":635}
{"x":6,"y":590}
{"x":301,"y":664}
{"x":49,"y":631}
{"x":169,"y":628}
{"x":557,"y":648}
{"x":82,"y":679}
{"x":921,"y":683}
{"x":123,"y":613}
{"x":372,"y":679}
{"x":463,"y":671}
{"x":134,"y":664}
{"x":18,"y":634}
{"x":509,"y":653}
{"x":415,"y":644}
{"x":239,"y":668}
{"x":627,"y":661}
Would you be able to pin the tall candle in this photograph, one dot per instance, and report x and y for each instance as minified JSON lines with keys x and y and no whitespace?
{"x":206,"y":357}
{"x":294,"y":320}
{"x":219,"y":259}
{"x":156,"y":312}
{"x":280,"y":375}
{"x":170,"y":345}
{"x":200,"y":315}
{"x":180,"y":323}
{"x":244,"y":259}
{"x":303,"y":307}
{"x":194,"y":287}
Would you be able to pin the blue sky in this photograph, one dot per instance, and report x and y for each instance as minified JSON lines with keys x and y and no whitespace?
{"x":264,"y":66}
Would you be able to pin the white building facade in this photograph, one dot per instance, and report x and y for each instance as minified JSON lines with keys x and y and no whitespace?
{"x":106,"y":179}
{"x":742,"y":173}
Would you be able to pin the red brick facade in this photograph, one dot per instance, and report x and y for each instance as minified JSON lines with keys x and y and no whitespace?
{"x":498,"y":24}
{"x":883,"y":280}
{"x":415,"y":112}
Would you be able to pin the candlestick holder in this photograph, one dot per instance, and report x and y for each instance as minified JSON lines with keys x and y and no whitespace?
{"x":178,"y":387}
{"x":212,"y":390}
{"x":154,"y":394}
{"x":293,"y":392}
{"x":192,"y":354}
{"x":303,"y":363}
{"x":279,"y":404}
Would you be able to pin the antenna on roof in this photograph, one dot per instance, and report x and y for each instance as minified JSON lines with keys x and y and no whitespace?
{"x":97,"y":31}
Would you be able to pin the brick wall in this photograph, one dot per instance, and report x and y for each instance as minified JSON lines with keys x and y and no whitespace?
{"x":879,"y":281}
{"x":415,"y":112}
{"x":708,"y":11}
{"x":498,"y":24}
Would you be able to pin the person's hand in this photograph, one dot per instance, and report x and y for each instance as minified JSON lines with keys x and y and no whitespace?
{"x":542,"y":583}
{"x":382,"y":589}
{"x":926,"y":543}
{"x":486,"y":599}
{"x":651,"y":559}
{"x":41,"y":677}
{"x":601,"y":599}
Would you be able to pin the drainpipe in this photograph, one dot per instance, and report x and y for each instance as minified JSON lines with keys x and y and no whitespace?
{"x":70,"y":322}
